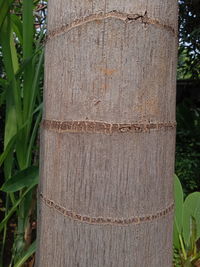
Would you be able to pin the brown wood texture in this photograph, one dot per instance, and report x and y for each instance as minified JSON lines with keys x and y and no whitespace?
{"x":108,"y":134}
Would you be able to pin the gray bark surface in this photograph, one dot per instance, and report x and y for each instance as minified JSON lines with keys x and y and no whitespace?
{"x":108,"y":134}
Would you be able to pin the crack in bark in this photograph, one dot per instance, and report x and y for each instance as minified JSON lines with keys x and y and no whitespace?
{"x":106,"y":220}
{"x":103,"y":127}
{"x":125,"y":17}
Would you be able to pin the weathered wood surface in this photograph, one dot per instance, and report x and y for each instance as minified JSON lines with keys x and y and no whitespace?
{"x":106,"y":188}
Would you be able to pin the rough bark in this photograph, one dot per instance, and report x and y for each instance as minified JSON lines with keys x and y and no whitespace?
{"x":108,"y":134}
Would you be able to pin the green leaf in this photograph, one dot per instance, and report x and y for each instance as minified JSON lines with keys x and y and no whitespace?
{"x":17,"y":27}
{"x":14,"y":208}
{"x":178,"y":216}
{"x":4,"y":9}
{"x":10,"y":124}
{"x":3,"y":83}
{"x":193,"y":234}
{"x":27,"y":52}
{"x":26,"y":255}
{"x":28,"y":28}
{"x":26,"y":178}
{"x":13,"y":102}
{"x":11,"y":145}
{"x":14,"y":53}
{"x":8,"y":149}
{"x":191,"y":209}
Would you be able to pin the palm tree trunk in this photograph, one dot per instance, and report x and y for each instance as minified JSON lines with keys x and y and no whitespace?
{"x":108,"y":134}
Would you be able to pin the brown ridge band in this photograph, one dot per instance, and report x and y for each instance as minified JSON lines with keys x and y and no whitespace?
{"x":127,"y":18}
{"x":106,"y":221}
{"x":103,"y":127}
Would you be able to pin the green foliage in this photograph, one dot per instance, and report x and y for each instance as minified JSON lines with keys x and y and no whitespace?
{"x":26,"y":178}
{"x":14,"y":207}
{"x":21,"y":79}
{"x":189,"y":39}
{"x":188,"y":146}
{"x":26,"y":255}
{"x":186,"y":226}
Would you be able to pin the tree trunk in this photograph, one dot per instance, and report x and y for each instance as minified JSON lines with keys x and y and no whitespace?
{"x":108,"y":134}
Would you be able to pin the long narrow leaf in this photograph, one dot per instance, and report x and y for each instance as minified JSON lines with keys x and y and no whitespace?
{"x":27,"y":52}
{"x":26,"y":178}
{"x":13,"y":209}
{"x":7,"y":150}
{"x":35,"y":87}
{"x":17,"y":27}
{"x":4,"y":8}
{"x":12,"y":141}
{"x":27,"y":254}
{"x":33,"y":137}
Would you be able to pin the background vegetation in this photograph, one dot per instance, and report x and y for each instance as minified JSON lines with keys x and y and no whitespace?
{"x":22,"y":33}
{"x":188,"y":96}
{"x":22,"y":29}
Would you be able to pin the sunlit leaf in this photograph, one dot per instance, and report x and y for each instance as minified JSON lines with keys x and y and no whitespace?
{"x":191,"y":209}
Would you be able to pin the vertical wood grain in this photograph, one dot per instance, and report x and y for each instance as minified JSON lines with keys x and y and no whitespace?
{"x":113,"y":62}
